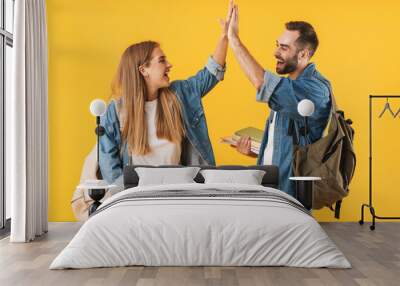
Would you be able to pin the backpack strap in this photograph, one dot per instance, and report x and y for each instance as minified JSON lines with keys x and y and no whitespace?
{"x":338,"y":205}
{"x":333,"y":112}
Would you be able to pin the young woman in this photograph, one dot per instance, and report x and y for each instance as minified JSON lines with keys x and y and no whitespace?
{"x":154,"y":121}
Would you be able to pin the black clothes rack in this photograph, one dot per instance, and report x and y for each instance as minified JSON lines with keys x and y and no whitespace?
{"x":370,"y":206}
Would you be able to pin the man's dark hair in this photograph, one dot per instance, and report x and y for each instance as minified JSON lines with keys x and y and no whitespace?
{"x":308,"y":38}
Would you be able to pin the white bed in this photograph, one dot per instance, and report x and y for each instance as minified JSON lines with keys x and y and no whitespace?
{"x":203,"y":225}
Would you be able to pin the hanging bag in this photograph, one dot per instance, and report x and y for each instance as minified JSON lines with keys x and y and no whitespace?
{"x":332,"y":158}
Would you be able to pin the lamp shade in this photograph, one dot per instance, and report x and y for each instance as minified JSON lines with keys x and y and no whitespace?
{"x":305,"y":107}
{"x":97,"y":107}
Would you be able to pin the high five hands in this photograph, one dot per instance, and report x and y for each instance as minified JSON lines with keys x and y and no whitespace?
{"x":225,"y":23}
{"x":233,"y":29}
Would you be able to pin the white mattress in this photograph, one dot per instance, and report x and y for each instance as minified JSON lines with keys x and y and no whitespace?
{"x":207,"y":230}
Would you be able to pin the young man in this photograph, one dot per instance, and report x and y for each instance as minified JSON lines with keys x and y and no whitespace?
{"x":294,"y":49}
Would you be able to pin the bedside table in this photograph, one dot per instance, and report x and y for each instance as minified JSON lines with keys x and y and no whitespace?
{"x":304,"y":190}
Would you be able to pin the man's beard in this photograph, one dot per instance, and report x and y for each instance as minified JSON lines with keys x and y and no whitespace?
{"x":289,"y":65}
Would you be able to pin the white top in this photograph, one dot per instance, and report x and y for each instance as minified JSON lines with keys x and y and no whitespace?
{"x":163,"y":152}
{"x":269,"y":149}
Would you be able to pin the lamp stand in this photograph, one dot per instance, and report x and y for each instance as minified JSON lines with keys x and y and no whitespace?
{"x":97,"y":194}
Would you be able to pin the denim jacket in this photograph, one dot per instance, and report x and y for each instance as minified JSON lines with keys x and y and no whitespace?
{"x":282,"y":95}
{"x":196,"y":146}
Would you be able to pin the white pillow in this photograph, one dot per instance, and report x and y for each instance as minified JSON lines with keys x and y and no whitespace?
{"x":248,"y":177}
{"x":162,"y":176}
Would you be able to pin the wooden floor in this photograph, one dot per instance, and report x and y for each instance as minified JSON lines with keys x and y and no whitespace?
{"x":375,"y":256}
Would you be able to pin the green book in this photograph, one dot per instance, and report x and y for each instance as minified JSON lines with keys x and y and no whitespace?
{"x":255,"y":134}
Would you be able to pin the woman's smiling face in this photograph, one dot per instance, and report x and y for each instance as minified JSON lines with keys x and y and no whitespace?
{"x":157,"y":69}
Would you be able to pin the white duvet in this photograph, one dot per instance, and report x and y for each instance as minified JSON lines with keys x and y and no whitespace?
{"x":183,"y":231}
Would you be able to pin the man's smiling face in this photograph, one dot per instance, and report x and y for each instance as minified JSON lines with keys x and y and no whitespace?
{"x":287,"y":52}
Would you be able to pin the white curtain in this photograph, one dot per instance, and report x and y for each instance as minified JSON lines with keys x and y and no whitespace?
{"x":26,"y":119}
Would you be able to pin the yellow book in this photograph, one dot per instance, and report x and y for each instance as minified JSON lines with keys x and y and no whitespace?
{"x":255,"y":134}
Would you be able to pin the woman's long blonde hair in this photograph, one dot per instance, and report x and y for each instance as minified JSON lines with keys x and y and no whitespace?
{"x":129,"y":85}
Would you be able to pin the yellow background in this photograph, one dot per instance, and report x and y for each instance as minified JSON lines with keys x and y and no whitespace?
{"x":359,"y":52}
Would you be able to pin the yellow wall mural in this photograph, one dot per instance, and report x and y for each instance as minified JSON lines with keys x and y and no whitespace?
{"x":358,"y":53}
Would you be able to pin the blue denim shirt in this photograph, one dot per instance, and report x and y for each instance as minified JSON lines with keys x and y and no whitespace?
{"x":282,"y":95}
{"x":114,"y":153}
